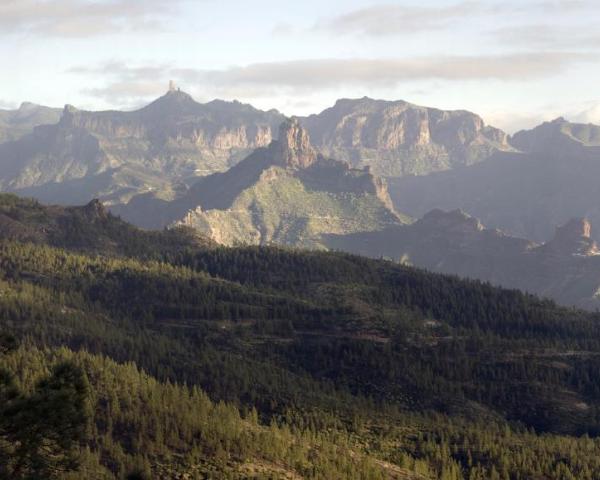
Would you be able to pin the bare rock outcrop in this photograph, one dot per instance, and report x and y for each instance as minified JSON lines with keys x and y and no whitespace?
{"x":398,"y":138}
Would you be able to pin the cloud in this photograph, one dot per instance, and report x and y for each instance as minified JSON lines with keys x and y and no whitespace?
{"x":391,"y":19}
{"x":324,"y":73}
{"x":546,"y":37}
{"x":5,"y":105}
{"x":126,"y":84}
{"x":83,"y":18}
{"x":555,"y":6}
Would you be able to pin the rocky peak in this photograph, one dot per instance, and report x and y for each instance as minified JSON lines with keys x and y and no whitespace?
{"x":173,"y":102}
{"x":68,"y":114}
{"x":293,"y":149}
{"x":95,"y":210}
{"x":573,"y":238}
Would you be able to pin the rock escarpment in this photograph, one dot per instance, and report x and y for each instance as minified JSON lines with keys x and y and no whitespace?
{"x":399,"y":138}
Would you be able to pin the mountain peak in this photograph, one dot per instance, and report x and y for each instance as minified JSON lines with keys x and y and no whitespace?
{"x":175,"y":101}
{"x":294,"y":148}
{"x":95,"y":210}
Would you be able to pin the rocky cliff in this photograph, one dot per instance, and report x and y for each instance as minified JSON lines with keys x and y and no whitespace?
{"x":399,"y":138}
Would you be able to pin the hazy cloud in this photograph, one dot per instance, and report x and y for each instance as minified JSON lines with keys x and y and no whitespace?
{"x":82,"y":18}
{"x":126,"y":84}
{"x":393,"y":19}
{"x":550,"y":37}
{"x":4,"y":105}
{"x":324,"y":73}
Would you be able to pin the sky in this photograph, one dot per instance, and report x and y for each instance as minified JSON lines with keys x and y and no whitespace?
{"x":515,"y":63}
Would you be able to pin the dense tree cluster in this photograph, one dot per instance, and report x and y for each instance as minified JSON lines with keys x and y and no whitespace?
{"x":326,"y":365}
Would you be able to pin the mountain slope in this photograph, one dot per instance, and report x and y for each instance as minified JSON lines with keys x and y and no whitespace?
{"x":398,"y":138}
{"x":88,"y":228}
{"x":161,"y":430}
{"x":286,"y":193}
{"x":364,"y":367}
{"x":566,"y":268}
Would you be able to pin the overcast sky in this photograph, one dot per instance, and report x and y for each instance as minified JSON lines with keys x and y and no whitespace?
{"x":516,"y":63}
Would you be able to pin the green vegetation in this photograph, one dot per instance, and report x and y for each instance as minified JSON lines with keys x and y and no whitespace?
{"x":253,"y":362}
{"x":280,"y":208}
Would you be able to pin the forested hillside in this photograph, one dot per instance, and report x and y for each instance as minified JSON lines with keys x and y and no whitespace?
{"x":214,"y":362}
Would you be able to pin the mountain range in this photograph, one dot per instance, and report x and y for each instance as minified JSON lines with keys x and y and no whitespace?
{"x":113,"y":155}
{"x":551,"y":179}
{"x":166,"y":145}
{"x":374,"y":177}
{"x":286,"y":193}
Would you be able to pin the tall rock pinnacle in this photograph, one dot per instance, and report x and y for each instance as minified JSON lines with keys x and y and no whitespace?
{"x":293,"y":148}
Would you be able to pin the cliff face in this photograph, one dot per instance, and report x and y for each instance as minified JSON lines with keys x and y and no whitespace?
{"x":398,"y":138}
{"x":293,"y":148}
{"x":171,"y":140}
